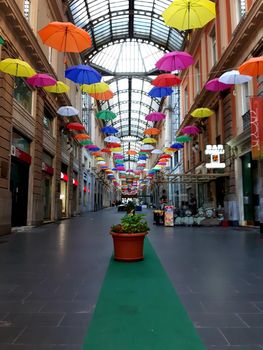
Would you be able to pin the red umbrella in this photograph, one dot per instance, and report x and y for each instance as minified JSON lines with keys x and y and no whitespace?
{"x":75,"y":126}
{"x":113,"y":145}
{"x":166,"y":156}
{"x":106,"y":150}
{"x":166,"y":80}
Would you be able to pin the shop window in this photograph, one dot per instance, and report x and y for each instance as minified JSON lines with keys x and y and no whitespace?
{"x":23,"y":94}
{"x":20,"y":142}
{"x":213,"y":46}
{"x":27,"y":9}
{"x":244,"y":98}
{"x":48,"y":121}
{"x":186,"y":100}
{"x":197,"y":78}
{"x":47,"y":158}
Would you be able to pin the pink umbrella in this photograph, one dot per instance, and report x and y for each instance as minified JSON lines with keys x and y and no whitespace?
{"x":41,"y":80}
{"x":176,"y":60}
{"x":216,"y":85}
{"x":191,"y":130}
{"x":155,"y":116}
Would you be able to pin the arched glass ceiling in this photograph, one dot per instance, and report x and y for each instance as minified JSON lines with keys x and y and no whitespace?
{"x":131,"y":103}
{"x":109,"y":21}
{"x":128,"y":56}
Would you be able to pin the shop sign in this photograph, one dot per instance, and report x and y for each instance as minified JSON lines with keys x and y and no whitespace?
{"x":215,"y":152}
{"x":47,"y":169}
{"x":75,"y":182}
{"x":16,"y":152}
{"x":256,"y":113}
{"x":64,"y":177}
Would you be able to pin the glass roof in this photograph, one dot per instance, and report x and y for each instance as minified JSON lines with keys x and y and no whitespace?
{"x":128,"y":37}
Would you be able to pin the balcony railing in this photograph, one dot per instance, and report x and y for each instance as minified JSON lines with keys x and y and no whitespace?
{"x":246,"y":120}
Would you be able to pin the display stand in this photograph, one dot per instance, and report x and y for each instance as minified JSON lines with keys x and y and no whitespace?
{"x":158,"y":217}
{"x":168,"y":215}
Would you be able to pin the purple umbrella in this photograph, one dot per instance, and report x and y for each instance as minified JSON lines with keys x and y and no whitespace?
{"x":160,"y":91}
{"x":176,"y":60}
{"x":216,"y":85}
{"x":191,"y":130}
{"x":155,"y":116}
{"x":40,"y":80}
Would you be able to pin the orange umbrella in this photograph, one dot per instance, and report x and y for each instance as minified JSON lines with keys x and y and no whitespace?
{"x":97,"y":154}
{"x":65,"y":37}
{"x":131,"y":152}
{"x":82,"y":137}
{"x":152,"y":131}
{"x":106,"y":150}
{"x":253,"y":67}
{"x":107,"y":95}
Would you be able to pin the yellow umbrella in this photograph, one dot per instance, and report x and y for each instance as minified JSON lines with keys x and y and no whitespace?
{"x":58,"y":88}
{"x":202,"y":113}
{"x":149,"y":140}
{"x":95,"y":88}
{"x":100,"y":158}
{"x":16,"y":67}
{"x":189,"y":14}
{"x":116,"y":149}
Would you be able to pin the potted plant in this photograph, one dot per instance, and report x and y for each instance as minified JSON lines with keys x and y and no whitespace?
{"x":128,"y":237}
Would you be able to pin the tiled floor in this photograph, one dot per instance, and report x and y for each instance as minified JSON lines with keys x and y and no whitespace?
{"x":50,"y":279}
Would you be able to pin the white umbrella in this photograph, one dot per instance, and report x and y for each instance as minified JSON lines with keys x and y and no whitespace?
{"x":67,"y":111}
{"x":112,"y":139}
{"x":157,"y":151}
{"x":147,"y":148}
{"x":234,"y":77}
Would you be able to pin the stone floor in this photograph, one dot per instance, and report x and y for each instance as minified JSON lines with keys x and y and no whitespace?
{"x":50,"y":278}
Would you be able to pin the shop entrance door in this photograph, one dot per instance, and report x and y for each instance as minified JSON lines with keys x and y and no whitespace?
{"x":19,"y":189}
{"x":47,"y":198}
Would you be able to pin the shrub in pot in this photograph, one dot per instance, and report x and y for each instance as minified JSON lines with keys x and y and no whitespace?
{"x":128,"y":237}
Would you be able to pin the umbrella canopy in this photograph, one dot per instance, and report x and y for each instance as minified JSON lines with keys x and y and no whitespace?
{"x":113,"y":144}
{"x":165,"y":156}
{"x":234,"y":77}
{"x":131,"y":152}
{"x":16,"y":67}
{"x":166,"y":80}
{"x":106,"y":115}
{"x":149,"y":140}
{"x":176,"y":60}
{"x":191,"y":130}
{"x":109,"y":130}
{"x":202,"y":113}
{"x":155,"y":117}
{"x":252,"y":67}
{"x":183,"y":138}
{"x":58,"y":88}
{"x":104,"y":96}
{"x":65,"y":37}
{"x":94,"y":149}
{"x":106,"y":150}
{"x":41,"y":80}
{"x":152,"y":131}
{"x":177,"y":145}
{"x":160,"y":92}
{"x":75,"y":126}
{"x":81,"y":137}
{"x":86,"y":142}
{"x":112,"y":139}
{"x":95,"y":88}
{"x":216,"y":85}
{"x":147,"y":148}
{"x":67,"y":111}
{"x":100,"y":158}
{"x":190,"y":14}
{"x":83,"y":74}
{"x":157,"y":151}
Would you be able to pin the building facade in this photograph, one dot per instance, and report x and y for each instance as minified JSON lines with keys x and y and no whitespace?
{"x":224,"y":44}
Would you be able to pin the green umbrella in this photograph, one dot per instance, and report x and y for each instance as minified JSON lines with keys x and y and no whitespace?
{"x":106,"y":115}
{"x":184,"y":138}
{"x":86,"y":142}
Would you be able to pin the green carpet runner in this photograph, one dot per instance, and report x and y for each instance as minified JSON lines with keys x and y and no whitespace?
{"x":138,"y":309}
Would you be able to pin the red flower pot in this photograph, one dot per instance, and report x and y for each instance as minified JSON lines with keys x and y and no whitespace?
{"x":128,"y":246}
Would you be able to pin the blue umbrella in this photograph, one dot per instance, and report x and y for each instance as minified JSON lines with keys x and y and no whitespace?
{"x":142,"y":157}
{"x":82,"y":74}
{"x":177,"y":145}
{"x":160,"y":92}
{"x":95,"y":149}
{"x":109,"y":130}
